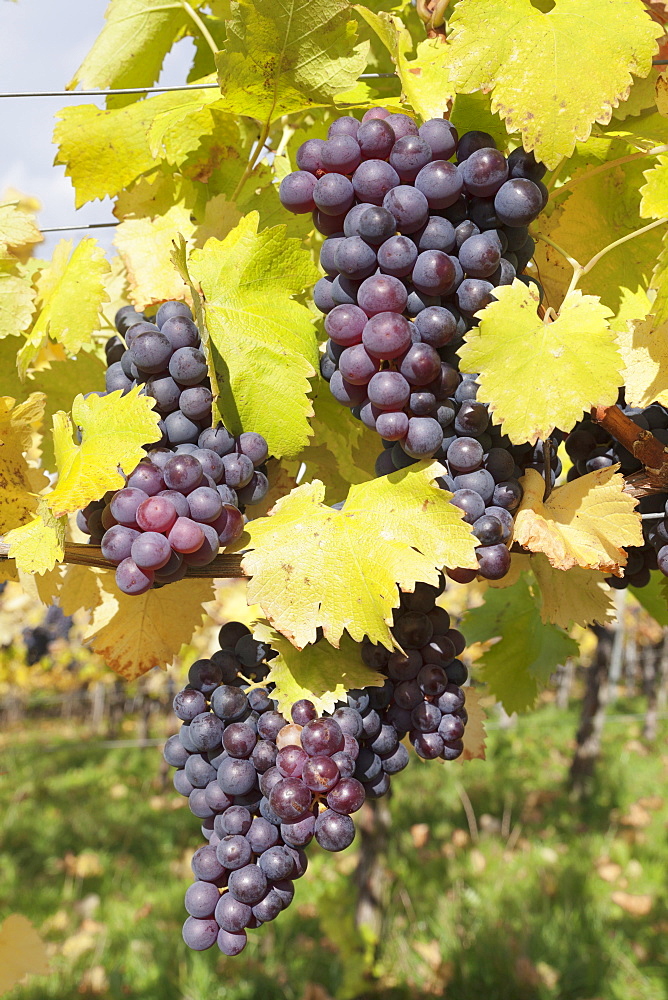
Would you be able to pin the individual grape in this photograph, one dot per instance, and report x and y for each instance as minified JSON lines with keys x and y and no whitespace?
{"x":441,"y":136}
{"x":322,"y":736}
{"x":334,"y":831}
{"x":385,"y":742}
{"x":484,"y":171}
{"x":493,"y":561}
{"x":165,"y":392}
{"x":347,"y":796}
{"x":130,"y":579}
{"x":357,"y":366}
{"x":248,"y":884}
{"x":417,"y":301}
{"x":438,"y":234}
{"x":474,"y":294}
{"x":126,"y":317}
{"x":231,"y":914}
{"x":376,"y":225}
{"x":211,"y":462}
{"x":345,"y":392}
{"x":156,"y":513}
{"x":409,"y":154}
{"x":186,"y":536}
{"x":254,"y":491}
{"x":354,"y":258}
{"x":199,"y":771}
{"x":238,"y":470}
{"x":303,"y":711}
{"x":180,"y":331}
{"x":327,"y":252}
{"x":216,"y":439}
{"x":470,"y":502}
{"x":296,"y":192}
{"x":401,"y":125}
{"x":145,"y":477}
{"x":504,"y":274}
{"x":200,"y":934}
{"x":272,"y":726}
{"x":479,"y":481}
{"x":290,"y":761}
{"x":440,"y":651}
{"x":465,"y":454}
{"x":180,"y":430}
{"x":333,"y":193}
{"x":340,"y":154}
{"x":182,"y":473}
{"x":115,"y":379}
{"x":182,"y":784}
{"x":472,"y":141}
{"x":136,"y":329}
{"x":434,"y":273}
{"x":187,"y":366}
{"x":171,"y":309}
{"x":205,"y":864}
{"x":508,"y":494}
{"x":488,"y":530}
{"x":376,"y":139}
{"x":396,"y":761}
{"x":205,"y":505}
{"x":409,"y":207}
{"x":464,"y":231}
{"x":397,"y":256}
{"x":234,"y":852}
{"x":483,"y":213}
{"x":201,"y":899}
{"x":424,"y":437}
{"x":196,"y":402}
{"x":523,"y":163}
{"x":480,"y":255}
{"x":472,"y":419}
{"x":344,"y":325}
{"x":276,"y":864}
{"x":388,"y":390}
{"x":518,"y":202}
{"x":352,"y":219}
{"x":346,"y":125}
{"x":239,"y":739}
{"x":373,"y":179}
{"x":344,"y":290}
{"x":328,"y":225}
{"x":429,"y":746}
{"x":150,"y":550}
{"x":151,"y":351}
{"x":117,"y":542}
{"x":392,"y":426}
{"x":420,"y":365}
{"x":422,"y":404}
{"x":386,"y":335}
{"x":425,"y":717}
{"x":174,"y":752}
{"x":440,"y":183}
{"x":236,"y":776}
{"x":432,"y":678}
{"x":308,"y":155}
{"x":506,"y":519}
{"x":322,"y":294}
{"x":290,"y":799}
{"x":436,"y":325}
{"x":413,"y":630}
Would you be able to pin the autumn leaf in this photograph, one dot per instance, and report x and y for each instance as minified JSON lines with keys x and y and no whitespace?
{"x":587,"y":522}
{"x":38,"y":545}
{"x":314,"y":566}
{"x":572,"y":597}
{"x":22,"y":952}
{"x":145,"y":246}
{"x":644,"y":349}
{"x":18,"y":480}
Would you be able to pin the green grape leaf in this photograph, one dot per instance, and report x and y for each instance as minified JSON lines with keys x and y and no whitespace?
{"x":654,"y":598}
{"x":518,"y":666}
{"x":104,"y":151}
{"x":256,"y":329}
{"x":283,"y":58}
{"x":145,"y":246}
{"x":423,"y":78}
{"x":526,"y":58}
{"x":114,"y":429}
{"x":319,"y":672}
{"x":38,"y":545}
{"x":70,"y":292}
{"x":532,"y":371}
{"x":17,"y":303}
{"x":313,"y":566}
{"x":130,"y":49}
{"x":472,"y":112}
{"x":654,"y":204}
{"x":600,"y":209}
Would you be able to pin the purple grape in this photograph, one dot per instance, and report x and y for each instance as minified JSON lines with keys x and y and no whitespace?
{"x":373,"y":179}
{"x":493,"y":561}
{"x":130,"y":579}
{"x":296,"y":192}
{"x":346,"y":125}
{"x":484,"y":171}
{"x":333,"y":194}
{"x":146,"y":478}
{"x":401,"y":125}
{"x":386,"y":335}
{"x":334,"y":831}
{"x":354,"y":258}
{"x":397,"y":256}
{"x":238,"y":470}
{"x":180,"y":331}
{"x":117,"y":542}
{"x":340,"y":154}
{"x":471,"y":141}
{"x":480,"y":255}
{"x":185,"y":536}
{"x":308,"y":155}
{"x":388,"y":390}
{"x":441,"y":136}
{"x":409,"y":207}
{"x":518,"y":202}
{"x":440,"y":183}
{"x":381,"y":293}
{"x":290,"y":799}
{"x":409,"y":155}
{"x":420,"y":365}
{"x":200,"y":934}
{"x":232,"y":915}
{"x":357,"y":366}
{"x":187,"y":366}
{"x":436,"y":325}
{"x":344,"y":325}
{"x":376,"y":139}
{"x":392,"y":426}
{"x":434,"y":273}
{"x":438,"y":234}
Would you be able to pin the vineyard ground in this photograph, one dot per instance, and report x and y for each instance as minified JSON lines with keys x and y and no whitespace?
{"x":529,"y":898}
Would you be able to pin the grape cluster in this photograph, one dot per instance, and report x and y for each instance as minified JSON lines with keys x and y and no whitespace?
{"x":265,"y":787}
{"x":415,"y":246}
{"x":591,"y":447}
{"x":186,"y":498}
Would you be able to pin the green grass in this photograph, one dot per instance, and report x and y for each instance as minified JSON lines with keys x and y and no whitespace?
{"x":521,"y":912}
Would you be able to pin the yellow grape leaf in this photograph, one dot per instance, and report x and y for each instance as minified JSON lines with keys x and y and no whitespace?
{"x":256,"y":329}
{"x":538,"y":375}
{"x":8,"y":571}
{"x":38,"y":545}
{"x":113,"y":430}
{"x":599,"y":210}
{"x":526,"y":58}
{"x":42,"y":587}
{"x":573,"y":597}
{"x":654,"y":204}
{"x":18,"y":481}
{"x":526,"y":651}
{"x":145,"y":246}
{"x":280,"y":484}
{"x":424,"y":80}
{"x":17,"y":303}
{"x":283,"y":58}
{"x":133,"y":634}
{"x":587,"y":522}
{"x":660,"y":285}
{"x":81,"y":588}
{"x":22,"y":952}
{"x":662,"y":94}
{"x":474,"y":734}
{"x":644,"y":349}
{"x":19,"y":232}
{"x":320,"y":673}
{"x":220,"y":217}
{"x":313,"y":566}
{"x":70,"y":293}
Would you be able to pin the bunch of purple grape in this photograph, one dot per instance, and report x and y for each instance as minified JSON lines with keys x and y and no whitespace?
{"x":590,"y":447}
{"x":415,"y":247}
{"x":265,"y":787}
{"x":186,"y":498}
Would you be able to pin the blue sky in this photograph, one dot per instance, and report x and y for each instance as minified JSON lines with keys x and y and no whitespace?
{"x":42,"y":42}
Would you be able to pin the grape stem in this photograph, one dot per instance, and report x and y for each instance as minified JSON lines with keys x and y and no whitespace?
{"x":586,"y":174}
{"x":224,"y":565}
{"x":254,"y":160}
{"x":642,"y":444}
{"x":547,"y":468}
{"x":206,"y":34}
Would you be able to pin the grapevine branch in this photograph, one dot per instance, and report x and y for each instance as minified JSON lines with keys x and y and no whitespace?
{"x":642,"y":444}
{"x":224,"y":565}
